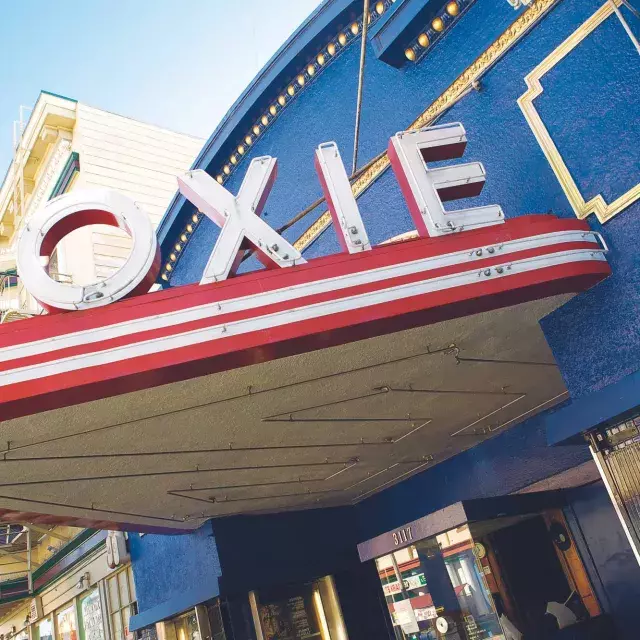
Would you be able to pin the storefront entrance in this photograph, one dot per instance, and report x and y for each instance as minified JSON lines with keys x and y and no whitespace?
{"x":506,"y":578}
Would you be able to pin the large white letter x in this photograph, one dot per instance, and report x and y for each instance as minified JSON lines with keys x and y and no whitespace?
{"x":237,"y":216}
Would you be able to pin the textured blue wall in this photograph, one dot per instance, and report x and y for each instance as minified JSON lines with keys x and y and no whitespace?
{"x":173,"y":573}
{"x":590,"y":104}
{"x":514,"y":459}
{"x":616,"y":566}
{"x":591,"y":107}
{"x":262,"y":551}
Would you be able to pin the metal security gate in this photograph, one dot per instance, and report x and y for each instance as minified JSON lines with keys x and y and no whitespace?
{"x":616,"y":451}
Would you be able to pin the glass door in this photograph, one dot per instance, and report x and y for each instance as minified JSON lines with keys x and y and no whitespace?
{"x":435,"y":589}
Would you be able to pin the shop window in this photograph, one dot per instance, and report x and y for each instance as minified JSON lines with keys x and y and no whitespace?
{"x":122,"y":603}
{"x":43,"y":630}
{"x":436,"y":588}
{"x":67,"y":624}
{"x":91,"y":623}
{"x":309,"y":610}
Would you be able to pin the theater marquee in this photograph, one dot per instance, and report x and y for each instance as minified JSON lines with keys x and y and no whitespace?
{"x":111,"y":338}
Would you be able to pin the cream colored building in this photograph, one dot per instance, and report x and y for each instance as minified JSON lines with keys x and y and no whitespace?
{"x":90,"y":601}
{"x":66,"y":145}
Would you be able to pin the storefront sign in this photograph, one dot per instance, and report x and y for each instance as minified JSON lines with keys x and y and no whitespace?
{"x":428,"y":613}
{"x":415,"y":582}
{"x":35,"y":609}
{"x":405,"y":616}
{"x":391,"y":588}
{"x":483,"y":263}
{"x":412,"y":582}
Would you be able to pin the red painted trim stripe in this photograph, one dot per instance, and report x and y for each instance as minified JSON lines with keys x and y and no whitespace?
{"x":189,"y":296}
{"x":49,"y":355}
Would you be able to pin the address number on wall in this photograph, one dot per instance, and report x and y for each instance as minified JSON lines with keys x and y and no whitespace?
{"x":402,"y":535}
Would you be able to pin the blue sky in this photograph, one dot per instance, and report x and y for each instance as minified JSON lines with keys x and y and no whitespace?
{"x":179,"y":64}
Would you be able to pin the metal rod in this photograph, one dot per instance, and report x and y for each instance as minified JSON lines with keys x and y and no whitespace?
{"x":228,"y":449}
{"x":631,"y":8}
{"x":363,"y":57}
{"x":151,"y":474}
{"x":29,"y":574}
{"x":625,"y":25}
{"x":618,"y":505}
{"x":494,"y":361}
{"x":47,"y":532}
{"x":212,"y":403}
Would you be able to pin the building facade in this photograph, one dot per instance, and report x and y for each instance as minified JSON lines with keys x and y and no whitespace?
{"x":66,"y":145}
{"x":468,"y":479}
{"x":532,"y":92}
{"x":75,"y":594}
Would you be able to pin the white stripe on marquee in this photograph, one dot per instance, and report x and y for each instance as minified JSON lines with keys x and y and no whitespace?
{"x":289,"y":316}
{"x":180,"y":316}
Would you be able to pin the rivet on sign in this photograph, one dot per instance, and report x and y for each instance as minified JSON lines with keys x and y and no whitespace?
{"x":491,"y":250}
{"x":487,"y":272}
{"x":499,"y":269}
{"x":479,"y":252}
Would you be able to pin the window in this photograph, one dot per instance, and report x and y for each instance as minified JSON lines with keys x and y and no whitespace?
{"x":122,"y":603}
{"x":67,"y":624}
{"x":91,"y":627}
{"x":44,"y":630}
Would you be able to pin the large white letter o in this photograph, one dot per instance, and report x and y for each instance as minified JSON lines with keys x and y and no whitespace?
{"x":77,"y":209}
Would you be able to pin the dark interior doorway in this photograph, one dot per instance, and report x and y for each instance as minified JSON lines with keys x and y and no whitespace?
{"x":532,"y":572}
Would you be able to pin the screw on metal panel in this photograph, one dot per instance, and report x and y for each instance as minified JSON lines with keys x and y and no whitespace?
{"x":487,"y":272}
{"x":479,"y":252}
{"x":499,"y":269}
{"x":491,"y":250}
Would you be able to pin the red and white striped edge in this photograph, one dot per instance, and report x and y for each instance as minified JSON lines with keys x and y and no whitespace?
{"x":187,"y":332}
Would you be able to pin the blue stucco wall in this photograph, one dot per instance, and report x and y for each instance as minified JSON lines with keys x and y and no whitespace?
{"x":173,"y":573}
{"x":591,"y":106}
{"x":616,"y":569}
{"x":509,"y":462}
{"x":257,"y":552}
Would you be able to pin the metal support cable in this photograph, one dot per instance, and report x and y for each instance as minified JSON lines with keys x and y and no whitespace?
{"x":363,"y":56}
{"x":625,"y":24}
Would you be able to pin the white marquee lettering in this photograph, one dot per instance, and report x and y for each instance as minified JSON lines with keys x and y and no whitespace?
{"x":64,"y":214}
{"x":342,"y":204}
{"x":425,"y":189}
{"x":238,"y":218}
